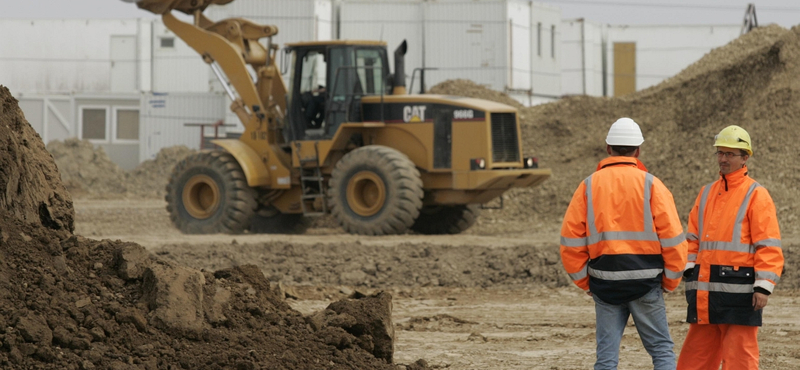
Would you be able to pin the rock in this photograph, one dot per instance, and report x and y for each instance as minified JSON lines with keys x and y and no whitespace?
{"x":34,"y":329}
{"x":131,"y":260}
{"x":132,"y":316}
{"x":174,"y":294}
{"x":373,"y":322}
{"x":218,"y":303}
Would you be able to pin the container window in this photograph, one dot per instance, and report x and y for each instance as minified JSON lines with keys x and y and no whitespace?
{"x":168,"y":42}
{"x":93,"y":123}
{"x":127,"y":124}
{"x":539,"y":39}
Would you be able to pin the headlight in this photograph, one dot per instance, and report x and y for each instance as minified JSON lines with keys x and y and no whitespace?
{"x":477,"y":164}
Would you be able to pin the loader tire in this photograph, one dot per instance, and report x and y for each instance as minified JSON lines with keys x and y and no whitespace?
{"x":207,"y":193}
{"x":446,"y":219}
{"x":279,"y":223}
{"x":375,"y":190}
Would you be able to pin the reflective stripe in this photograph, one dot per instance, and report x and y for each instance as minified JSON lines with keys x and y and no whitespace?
{"x":590,"y":207}
{"x":737,"y":227}
{"x":648,"y":213}
{"x":622,"y":235}
{"x":672,"y":242}
{"x":624,"y":275}
{"x":673,"y":274}
{"x":767,"y":275}
{"x":765,"y":284}
{"x":580,"y":274}
{"x":689,"y":265}
{"x":768,"y":243}
{"x":573,"y":242}
{"x":726,"y":246}
{"x":702,"y":209}
{"x":719,"y":287}
{"x":609,"y":235}
{"x":692,"y":257}
{"x":691,"y":236}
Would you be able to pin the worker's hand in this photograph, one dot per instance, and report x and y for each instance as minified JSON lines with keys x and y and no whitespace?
{"x":589,"y":293}
{"x":759,"y":301}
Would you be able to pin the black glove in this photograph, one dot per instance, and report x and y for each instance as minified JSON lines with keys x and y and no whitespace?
{"x":688,"y":273}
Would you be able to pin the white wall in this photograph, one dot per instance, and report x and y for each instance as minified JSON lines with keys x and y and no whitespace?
{"x":545,"y":51}
{"x":178,"y":68}
{"x":582,"y":58}
{"x":390,"y":21}
{"x":664,"y":51}
{"x":62,"y":56}
{"x":297,"y":20}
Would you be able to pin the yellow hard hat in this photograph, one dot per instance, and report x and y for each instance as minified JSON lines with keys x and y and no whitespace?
{"x":734,"y":137}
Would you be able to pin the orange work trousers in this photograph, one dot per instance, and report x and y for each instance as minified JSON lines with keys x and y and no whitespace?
{"x":708,"y":345}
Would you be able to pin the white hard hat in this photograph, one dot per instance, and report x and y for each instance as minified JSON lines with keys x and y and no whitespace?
{"x":625,"y":132}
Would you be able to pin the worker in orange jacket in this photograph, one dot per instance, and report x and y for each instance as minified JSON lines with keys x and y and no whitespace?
{"x":735,"y":260}
{"x":623,"y":243}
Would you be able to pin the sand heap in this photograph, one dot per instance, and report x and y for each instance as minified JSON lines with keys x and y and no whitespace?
{"x":88,"y":172}
{"x":754,"y":82}
{"x":74,"y":303}
{"x":470,"y":89}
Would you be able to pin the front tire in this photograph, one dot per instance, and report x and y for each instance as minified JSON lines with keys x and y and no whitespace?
{"x":435,"y":220}
{"x":375,"y":190}
{"x":207,"y":193}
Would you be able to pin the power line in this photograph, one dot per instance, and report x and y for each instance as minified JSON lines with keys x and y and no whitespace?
{"x":674,"y":5}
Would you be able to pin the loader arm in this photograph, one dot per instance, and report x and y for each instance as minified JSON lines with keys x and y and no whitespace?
{"x":230,"y":45}
{"x":216,"y":48}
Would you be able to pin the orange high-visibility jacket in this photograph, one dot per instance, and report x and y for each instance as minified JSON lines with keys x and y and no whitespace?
{"x":734,"y":247}
{"x":621,"y":236}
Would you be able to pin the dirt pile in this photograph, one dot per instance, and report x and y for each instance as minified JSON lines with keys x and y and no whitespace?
{"x":753,"y":82}
{"x":470,"y":89}
{"x":88,"y":172}
{"x":76,"y":303}
{"x":30,"y":189}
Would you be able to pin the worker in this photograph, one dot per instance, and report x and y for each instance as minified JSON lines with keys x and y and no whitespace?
{"x":735,"y":260}
{"x":622,"y":242}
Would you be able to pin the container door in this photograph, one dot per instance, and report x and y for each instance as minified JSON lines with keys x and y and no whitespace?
{"x":123,"y":63}
{"x":624,"y":68}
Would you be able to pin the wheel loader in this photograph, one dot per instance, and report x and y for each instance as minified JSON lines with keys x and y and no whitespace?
{"x":343,"y":137}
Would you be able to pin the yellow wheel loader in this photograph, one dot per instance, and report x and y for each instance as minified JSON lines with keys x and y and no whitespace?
{"x":343,"y":137}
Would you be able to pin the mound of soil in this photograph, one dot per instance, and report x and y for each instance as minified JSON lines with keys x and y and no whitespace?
{"x":461,"y":87}
{"x":751,"y":82}
{"x":88,"y":172}
{"x":75,"y":303}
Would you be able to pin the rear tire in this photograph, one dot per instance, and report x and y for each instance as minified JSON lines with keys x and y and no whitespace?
{"x":446,"y":219}
{"x":375,"y":190}
{"x":207,"y":193}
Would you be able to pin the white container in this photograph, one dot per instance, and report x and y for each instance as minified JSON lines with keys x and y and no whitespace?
{"x":664,"y":51}
{"x":63,"y":56}
{"x":582,"y":47}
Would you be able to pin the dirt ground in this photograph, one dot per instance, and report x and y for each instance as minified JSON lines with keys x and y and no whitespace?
{"x":474,"y":301}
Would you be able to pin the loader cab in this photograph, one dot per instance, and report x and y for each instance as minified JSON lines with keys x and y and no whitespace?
{"x":327,"y":81}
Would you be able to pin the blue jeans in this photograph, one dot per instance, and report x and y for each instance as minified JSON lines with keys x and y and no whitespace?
{"x":650,"y":316}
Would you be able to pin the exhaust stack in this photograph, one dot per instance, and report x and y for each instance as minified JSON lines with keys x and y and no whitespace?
{"x":399,"y":79}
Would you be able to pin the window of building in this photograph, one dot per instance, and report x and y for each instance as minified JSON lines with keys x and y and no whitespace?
{"x":167,"y":42}
{"x":553,"y":41}
{"x":93,"y":123}
{"x":126,"y":124}
{"x":539,"y":39}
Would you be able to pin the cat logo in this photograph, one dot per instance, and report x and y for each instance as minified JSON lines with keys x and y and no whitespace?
{"x":414,"y":113}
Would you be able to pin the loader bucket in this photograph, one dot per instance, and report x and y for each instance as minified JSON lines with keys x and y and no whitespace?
{"x":186,"y":6}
